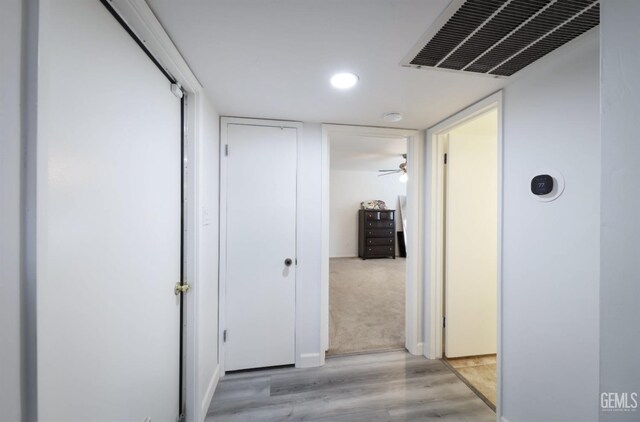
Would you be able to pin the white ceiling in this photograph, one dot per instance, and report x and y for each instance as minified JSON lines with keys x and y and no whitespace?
{"x":273,"y":59}
{"x":349,"y":152}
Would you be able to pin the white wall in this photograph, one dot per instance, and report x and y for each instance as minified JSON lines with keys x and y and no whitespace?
{"x":11,"y":160}
{"x":550,"y":287}
{"x":620,"y":237}
{"x":208,"y":150}
{"x":348,"y":189}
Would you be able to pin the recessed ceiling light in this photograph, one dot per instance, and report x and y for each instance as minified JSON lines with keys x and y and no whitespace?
{"x":392,"y":117}
{"x":344,"y":80}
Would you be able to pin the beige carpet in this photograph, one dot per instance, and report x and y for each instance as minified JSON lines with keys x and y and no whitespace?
{"x":366,"y":305}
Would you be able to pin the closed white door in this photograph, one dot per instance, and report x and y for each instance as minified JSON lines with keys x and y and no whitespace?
{"x":109,"y":194}
{"x":260,"y":246}
{"x":471,"y":239}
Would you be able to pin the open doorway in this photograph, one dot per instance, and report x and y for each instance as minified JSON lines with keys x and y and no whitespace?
{"x":465,"y":241}
{"x":409,"y":221}
{"x":470,"y":251}
{"x":367,"y":251}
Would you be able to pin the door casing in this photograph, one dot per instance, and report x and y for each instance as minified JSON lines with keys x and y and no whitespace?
{"x":415,"y":239}
{"x":433,"y":292}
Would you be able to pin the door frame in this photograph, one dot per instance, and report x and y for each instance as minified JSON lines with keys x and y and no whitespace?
{"x":433,"y":293}
{"x":415,"y":240}
{"x":222,"y":266}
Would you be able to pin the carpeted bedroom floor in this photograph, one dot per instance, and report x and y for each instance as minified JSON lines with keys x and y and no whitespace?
{"x":366,"y":305}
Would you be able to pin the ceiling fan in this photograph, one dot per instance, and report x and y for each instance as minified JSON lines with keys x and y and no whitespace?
{"x":402,"y":169}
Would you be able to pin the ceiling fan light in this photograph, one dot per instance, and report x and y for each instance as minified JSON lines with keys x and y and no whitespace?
{"x":404,"y":177}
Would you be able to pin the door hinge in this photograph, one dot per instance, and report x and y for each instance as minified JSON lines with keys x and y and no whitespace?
{"x":445,"y":158}
{"x":181,"y":417}
{"x":444,"y":322}
{"x":176,"y":89}
{"x":226,"y":150}
{"x":224,"y":336}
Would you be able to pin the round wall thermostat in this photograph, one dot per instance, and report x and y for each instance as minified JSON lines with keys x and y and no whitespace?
{"x":547,"y":185}
{"x":542,"y":184}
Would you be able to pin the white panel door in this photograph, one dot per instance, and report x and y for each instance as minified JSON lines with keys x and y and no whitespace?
{"x":109,"y":165}
{"x":471,"y":245}
{"x":261,"y":235}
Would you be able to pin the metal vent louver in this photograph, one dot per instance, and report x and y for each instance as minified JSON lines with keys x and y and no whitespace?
{"x":501,"y":37}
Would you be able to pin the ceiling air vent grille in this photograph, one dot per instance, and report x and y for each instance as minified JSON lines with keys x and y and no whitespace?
{"x":501,"y":37}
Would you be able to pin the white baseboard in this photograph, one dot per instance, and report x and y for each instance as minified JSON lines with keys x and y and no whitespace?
{"x":211,"y":388}
{"x":308,"y":360}
{"x":417,"y":349}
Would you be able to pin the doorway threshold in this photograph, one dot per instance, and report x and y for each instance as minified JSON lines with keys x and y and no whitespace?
{"x":483,"y":378}
{"x":366,"y":352}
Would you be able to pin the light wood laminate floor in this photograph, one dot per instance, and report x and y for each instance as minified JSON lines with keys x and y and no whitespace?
{"x":391,"y":386}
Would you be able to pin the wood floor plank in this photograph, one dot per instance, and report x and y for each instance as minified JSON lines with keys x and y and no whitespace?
{"x":243,"y":388}
{"x":378,"y":397}
{"x":379,"y":387}
{"x":258,"y":409}
{"x":464,"y":409}
{"x":355,"y":376}
{"x":332,"y":363}
{"x":366,"y":416}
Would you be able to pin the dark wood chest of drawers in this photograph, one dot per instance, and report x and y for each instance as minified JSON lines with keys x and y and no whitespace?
{"x":377,"y":234}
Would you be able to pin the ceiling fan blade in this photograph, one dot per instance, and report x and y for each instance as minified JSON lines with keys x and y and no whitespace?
{"x":388,"y":173}
{"x":389,"y":170}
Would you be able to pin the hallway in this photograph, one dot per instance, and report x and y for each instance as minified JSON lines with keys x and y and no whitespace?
{"x":179,"y":205}
{"x":390,"y":386}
